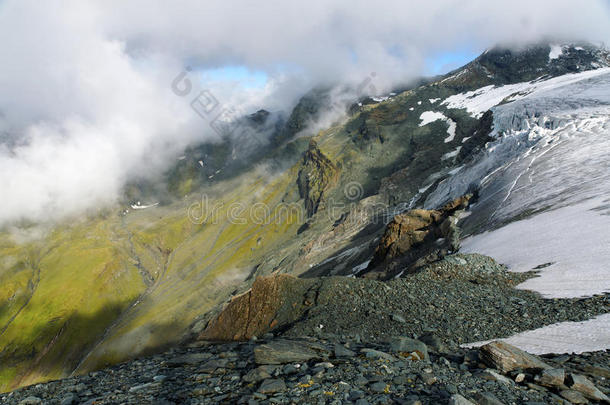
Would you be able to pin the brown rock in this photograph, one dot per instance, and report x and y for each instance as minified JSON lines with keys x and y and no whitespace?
{"x":587,"y":388}
{"x":272,"y":301}
{"x":404,"y":231}
{"x":410,"y":238}
{"x":458,"y":204}
{"x":506,"y":358}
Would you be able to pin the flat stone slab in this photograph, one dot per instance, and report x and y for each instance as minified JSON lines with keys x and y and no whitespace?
{"x":506,"y":358}
{"x":284,"y":351}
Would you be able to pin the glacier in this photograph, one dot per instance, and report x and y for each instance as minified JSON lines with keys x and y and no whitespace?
{"x":544,"y":192}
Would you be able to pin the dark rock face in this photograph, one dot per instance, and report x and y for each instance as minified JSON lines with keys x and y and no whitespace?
{"x":259,"y":117}
{"x":365,"y":129}
{"x":416,"y":238}
{"x":501,"y":65}
{"x":477,"y":140}
{"x":316,"y":175}
{"x":303,"y":113}
{"x":511,"y":66}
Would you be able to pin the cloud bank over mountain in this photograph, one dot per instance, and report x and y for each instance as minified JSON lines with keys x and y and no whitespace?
{"x":86,"y":101}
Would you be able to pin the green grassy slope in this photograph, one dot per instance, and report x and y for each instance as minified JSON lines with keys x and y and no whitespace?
{"x":79,"y":280}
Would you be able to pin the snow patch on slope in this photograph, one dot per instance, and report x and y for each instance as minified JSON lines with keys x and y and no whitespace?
{"x":575,"y":239}
{"x":563,"y":337}
{"x":450,"y":130}
{"x":380,"y":99}
{"x":139,"y":206}
{"x":357,"y":269}
{"x":456,"y":75}
{"x":478,"y":101}
{"x":451,"y":154}
{"x":556,"y":52}
{"x":430,"y":116}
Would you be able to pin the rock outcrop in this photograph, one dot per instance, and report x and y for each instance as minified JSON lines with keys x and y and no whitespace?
{"x":364,"y":130}
{"x":416,"y":238}
{"x":316,"y":174}
{"x":272,"y":301}
{"x":477,"y":139}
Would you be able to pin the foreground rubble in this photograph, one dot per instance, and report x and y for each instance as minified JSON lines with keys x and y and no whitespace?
{"x":320,"y":371}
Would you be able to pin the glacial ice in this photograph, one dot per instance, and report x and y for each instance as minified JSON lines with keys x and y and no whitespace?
{"x":544,"y":194}
{"x":478,"y":101}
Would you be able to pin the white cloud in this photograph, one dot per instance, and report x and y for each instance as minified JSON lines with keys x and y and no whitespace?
{"x":85,"y":97}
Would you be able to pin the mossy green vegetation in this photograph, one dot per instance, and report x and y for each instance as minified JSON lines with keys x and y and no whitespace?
{"x":79,"y":281}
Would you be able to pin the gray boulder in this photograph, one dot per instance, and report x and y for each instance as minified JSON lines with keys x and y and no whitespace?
{"x":407,"y":345}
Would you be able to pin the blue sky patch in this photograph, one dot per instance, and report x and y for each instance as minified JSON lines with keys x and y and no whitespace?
{"x":444,"y":62}
{"x":234,"y":73}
